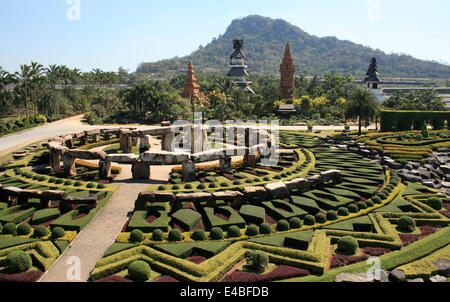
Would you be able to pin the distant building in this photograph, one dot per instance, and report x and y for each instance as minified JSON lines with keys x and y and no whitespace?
{"x":371,"y":79}
{"x":191,"y":87}
{"x":287,"y":72}
{"x":238,"y":65}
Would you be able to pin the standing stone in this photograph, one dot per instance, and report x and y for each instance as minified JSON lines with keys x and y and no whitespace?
{"x":145,"y":144}
{"x":189,"y":170}
{"x":198,"y":140}
{"x":55,"y":159}
{"x":96,"y":137}
{"x":104,"y":169}
{"x":68,"y":141}
{"x":141,"y":170}
{"x":167,"y":142}
{"x":125,"y":141}
{"x":69,"y":166}
{"x":250,"y":160}
{"x":225,"y":164}
{"x":84,"y":140}
{"x":165,"y":124}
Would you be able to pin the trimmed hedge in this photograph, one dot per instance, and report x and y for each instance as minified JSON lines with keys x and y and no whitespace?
{"x":404,"y":120}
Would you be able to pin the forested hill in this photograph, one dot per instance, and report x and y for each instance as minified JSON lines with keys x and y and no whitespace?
{"x":265,"y":40}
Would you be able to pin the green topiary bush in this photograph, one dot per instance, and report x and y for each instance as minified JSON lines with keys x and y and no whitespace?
{"x":216,"y":234}
{"x":198,"y":235}
{"x":68,"y":183}
{"x":175,"y":235}
{"x":40,"y":231}
{"x":212,"y":185}
{"x":101,"y":186}
{"x":295,"y":223}
{"x":234,"y":232}
{"x":265,"y":228}
{"x":139,"y":271}
{"x":78,"y":184}
{"x":283,"y":226}
{"x":91,"y":185}
{"x":382,"y":196}
{"x":188,"y":186}
{"x":361,"y":205}
{"x":435,"y":202}
{"x":9,"y":229}
{"x":406,"y":223}
{"x":18,"y":262}
{"x":353,"y":208}
{"x":137,"y":236}
{"x":332,"y":215}
{"x":310,"y":220}
{"x":252,"y":230}
{"x":321,"y":218}
{"x":158,"y":235}
{"x":347,"y":245}
{"x":369,"y":203}
{"x":162,"y":188}
{"x":23,"y":229}
{"x":343,"y":212}
{"x":201,"y":187}
{"x":376,"y":200}
{"x":257,"y":261}
{"x":58,"y":232}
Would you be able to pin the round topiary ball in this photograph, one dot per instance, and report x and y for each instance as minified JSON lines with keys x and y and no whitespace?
{"x":361,"y":205}
{"x":137,"y":236}
{"x":18,"y":262}
{"x":406,"y":223}
{"x":198,"y":235}
{"x":382,"y":196}
{"x":321,"y":218}
{"x":158,"y":235}
{"x":9,"y":228}
{"x":139,"y":271}
{"x":23,"y":229}
{"x":252,"y":230}
{"x":216,"y":234}
{"x":283,"y":226}
{"x":376,"y":200}
{"x":332,"y":215}
{"x":369,"y":203}
{"x":435,"y":202}
{"x":58,"y":232}
{"x":234,"y":232}
{"x":343,"y":212}
{"x":257,"y":260}
{"x":265,"y":228}
{"x":353,"y":208}
{"x":310,"y":220}
{"x":175,"y":235}
{"x":347,"y":245}
{"x":295,"y":223}
{"x":40,"y":231}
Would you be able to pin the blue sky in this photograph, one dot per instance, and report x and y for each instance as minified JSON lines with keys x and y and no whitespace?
{"x":113,"y":33}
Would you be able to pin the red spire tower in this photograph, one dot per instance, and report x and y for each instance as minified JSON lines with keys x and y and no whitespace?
{"x":191,"y":87}
{"x":287,"y":71}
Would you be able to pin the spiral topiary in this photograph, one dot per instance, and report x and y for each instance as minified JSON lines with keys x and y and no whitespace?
{"x":40,"y":231}
{"x":9,"y":229}
{"x":216,"y":234}
{"x":175,"y":235}
{"x":283,"y":226}
{"x":252,"y":230}
{"x":23,"y":229}
{"x":321,"y":218}
{"x":332,"y":215}
{"x":198,"y":235}
{"x":406,"y":224}
{"x":18,"y":262}
{"x":295,"y":223}
{"x":158,"y":235}
{"x":233,"y":232}
{"x":139,"y":271}
{"x":435,"y":202}
{"x":265,"y":228}
{"x":58,"y":232}
{"x":343,"y":212}
{"x":309,"y":220}
{"x":347,"y":245}
{"x":137,"y":236}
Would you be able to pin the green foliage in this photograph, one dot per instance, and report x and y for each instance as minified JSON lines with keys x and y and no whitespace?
{"x":257,"y":261}
{"x":23,"y":229}
{"x":343,"y":211}
{"x":295,"y":223}
{"x":252,"y":230}
{"x":9,"y":228}
{"x":265,"y":228}
{"x":283,"y":225}
{"x":353,"y":208}
{"x":347,"y":245}
{"x":234,"y":232}
{"x":175,"y":235}
{"x":377,"y":200}
{"x":198,"y":235}
{"x":40,"y":231}
{"x":406,"y":224}
{"x":310,"y":220}
{"x":139,"y":271}
{"x":18,"y":262}
{"x":435,"y":202}
{"x":216,"y":234}
{"x":403,"y":120}
{"x":137,"y":236}
{"x":332,"y":215}
{"x":158,"y":235}
{"x":320,"y":218}
{"x":362,"y":205}
{"x":58,"y":232}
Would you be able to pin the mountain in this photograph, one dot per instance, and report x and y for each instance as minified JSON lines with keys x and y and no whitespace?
{"x":266,"y":38}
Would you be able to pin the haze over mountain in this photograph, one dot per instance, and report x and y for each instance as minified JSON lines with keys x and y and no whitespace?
{"x":265,"y":39}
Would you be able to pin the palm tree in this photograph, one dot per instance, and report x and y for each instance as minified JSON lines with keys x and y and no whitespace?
{"x":65,"y":74}
{"x":75,"y":76}
{"x":98,"y":75}
{"x":37,"y":82}
{"x":53,"y":75}
{"x":24,"y":76}
{"x":363,"y":105}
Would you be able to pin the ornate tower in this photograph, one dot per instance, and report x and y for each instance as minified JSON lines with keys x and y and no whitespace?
{"x":287,"y":72}
{"x":371,"y":78}
{"x":191,"y":87}
{"x":238,"y":65}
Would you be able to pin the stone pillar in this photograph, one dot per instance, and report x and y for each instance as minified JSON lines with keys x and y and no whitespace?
{"x":189,"y":171}
{"x":141,"y":170}
{"x":125,"y":141}
{"x":250,"y":160}
{"x":104,"y":169}
{"x":167,"y":142}
{"x":165,"y":124}
{"x":197,"y":140}
{"x":84,"y":140}
{"x":225,"y":164}
{"x":106,"y":136}
{"x":134,"y":141}
{"x":96,"y":137}
{"x":145,"y":144}
{"x":69,"y":166}
{"x":55,"y":159}
{"x":68,"y":141}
